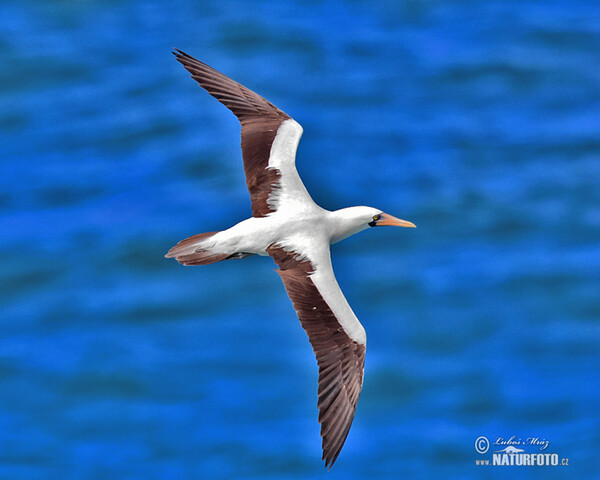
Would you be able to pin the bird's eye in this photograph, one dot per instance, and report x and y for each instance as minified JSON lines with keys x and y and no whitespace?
{"x":376,"y":217}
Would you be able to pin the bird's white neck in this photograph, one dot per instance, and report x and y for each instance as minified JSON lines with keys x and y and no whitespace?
{"x":346,"y":222}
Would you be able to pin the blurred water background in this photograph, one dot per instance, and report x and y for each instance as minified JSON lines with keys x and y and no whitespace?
{"x":478,"y":121}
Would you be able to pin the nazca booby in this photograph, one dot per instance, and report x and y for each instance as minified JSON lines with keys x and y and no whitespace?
{"x":290,"y":227}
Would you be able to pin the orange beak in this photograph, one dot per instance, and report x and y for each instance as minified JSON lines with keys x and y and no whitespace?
{"x":388,"y":220}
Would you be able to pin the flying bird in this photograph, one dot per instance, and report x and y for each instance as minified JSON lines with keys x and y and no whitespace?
{"x":290,"y":227}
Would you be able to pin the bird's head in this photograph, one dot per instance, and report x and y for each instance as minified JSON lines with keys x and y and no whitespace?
{"x":355,"y":219}
{"x":381,"y":219}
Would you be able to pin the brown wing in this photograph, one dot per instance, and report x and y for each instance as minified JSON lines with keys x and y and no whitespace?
{"x":341,"y":360}
{"x":260,"y":120}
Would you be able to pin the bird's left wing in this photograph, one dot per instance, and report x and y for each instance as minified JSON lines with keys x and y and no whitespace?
{"x":269,"y":139}
{"x":337,"y":337}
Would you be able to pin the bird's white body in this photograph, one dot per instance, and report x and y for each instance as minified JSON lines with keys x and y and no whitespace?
{"x":290,"y":227}
{"x":255,"y":234}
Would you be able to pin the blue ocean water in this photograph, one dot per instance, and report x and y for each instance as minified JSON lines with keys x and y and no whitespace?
{"x":478,"y":121}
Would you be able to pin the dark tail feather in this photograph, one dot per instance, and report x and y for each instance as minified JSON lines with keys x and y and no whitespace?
{"x":201,"y":258}
{"x":187,"y":252}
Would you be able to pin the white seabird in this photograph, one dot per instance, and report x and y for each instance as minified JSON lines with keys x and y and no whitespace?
{"x":290,"y":227}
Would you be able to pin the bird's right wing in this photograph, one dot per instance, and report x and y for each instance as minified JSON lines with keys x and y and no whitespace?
{"x":269,"y":139}
{"x":337,"y":337}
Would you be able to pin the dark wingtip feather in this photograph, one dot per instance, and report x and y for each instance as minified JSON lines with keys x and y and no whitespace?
{"x":180,"y":55}
{"x":331,"y":457}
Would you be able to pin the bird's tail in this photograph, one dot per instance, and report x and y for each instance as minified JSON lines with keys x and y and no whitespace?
{"x":199,"y":250}
{"x":196,"y":250}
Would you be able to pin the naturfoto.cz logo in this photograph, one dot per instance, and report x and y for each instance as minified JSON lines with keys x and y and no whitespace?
{"x":508,"y":452}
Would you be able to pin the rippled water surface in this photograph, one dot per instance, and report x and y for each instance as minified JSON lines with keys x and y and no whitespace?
{"x":478,"y":121}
